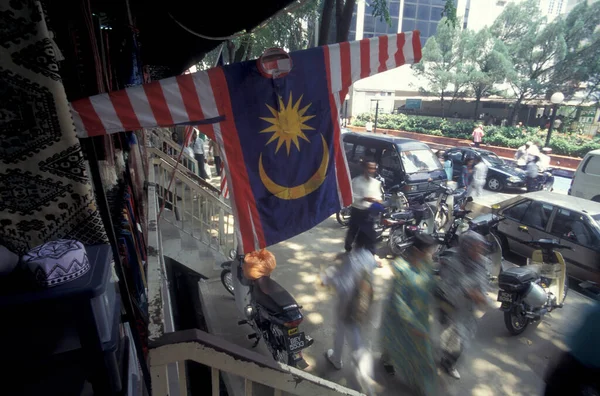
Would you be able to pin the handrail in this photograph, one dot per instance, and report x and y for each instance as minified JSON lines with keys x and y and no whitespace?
{"x":209,"y":350}
{"x":173,"y":149}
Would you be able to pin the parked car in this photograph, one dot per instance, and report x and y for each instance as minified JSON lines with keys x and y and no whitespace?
{"x":572,"y":221}
{"x":405,"y":162}
{"x":500,"y":175}
{"x":586,"y":181}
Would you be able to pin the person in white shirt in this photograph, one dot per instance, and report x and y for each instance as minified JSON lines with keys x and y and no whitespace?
{"x":366,"y":190}
{"x":369,"y":126}
{"x":198,"y":146}
{"x":479,"y":178}
{"x":532,"y":173}
{"x":522,"y":154}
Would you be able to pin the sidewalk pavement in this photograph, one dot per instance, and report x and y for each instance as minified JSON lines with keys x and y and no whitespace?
{"x":495,"y":364}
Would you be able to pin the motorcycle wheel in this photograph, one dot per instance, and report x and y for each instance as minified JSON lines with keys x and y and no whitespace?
{"x":396,"y":238}
{"x":343,"y":216}
{"x":227,"y":280}
{"x":516,"y":324}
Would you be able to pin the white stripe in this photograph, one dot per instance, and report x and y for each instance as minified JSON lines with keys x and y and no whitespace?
{"x":335,"y":67}
{"x":206,"y":95}
{"x":338,"y":105}
{"x":219,"y":139}
{"x":374,"y":55}
{"x":106,"y":112}
{"x":392,"y":46}
{"x":355,"y":60}
{"x":409,"y":55}
{"x":141,"y":106}
{"x":79,"y":128}
{"x":174,"y":100}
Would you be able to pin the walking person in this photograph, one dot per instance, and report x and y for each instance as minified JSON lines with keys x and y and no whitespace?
{"x":533,"y":171}
{"x":467,"y":173}
{"x":478,"y":135}
{"x":405,"y":331}
{"x":353,"y":284}
{"x":198,"y":146}
{"x":447,"y":163}
{"x":369,"y":126}
{"x":522,"y":154}
{"x":478,"y":181}
{"x":366,"y":192}
{"x":216,"y":153}
{"x":461,"y":289}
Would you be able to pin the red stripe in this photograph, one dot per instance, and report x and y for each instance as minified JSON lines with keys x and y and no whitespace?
{"x":190,"y":97}
{"x":158,"y":104}
{"x":89,"y":117}
{"x":124,"y":110}
{"x":343,"y":179}
{"x":346,"y":65}
{"x":399,"y":56}
{"x":383,"y":53}
{"x":243,"y":195}
{"x":365,"y":58}
{"x":416,"y":42}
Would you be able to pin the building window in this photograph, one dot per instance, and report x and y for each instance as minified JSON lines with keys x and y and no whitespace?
{"x":436,"y":13}
{"x":408,"y":25}
{"x":410,"y":11}
{"x":351,"y":35}
{"x":369,"y":24}
{"x":423,"y":12}
{"x":423,"y":27}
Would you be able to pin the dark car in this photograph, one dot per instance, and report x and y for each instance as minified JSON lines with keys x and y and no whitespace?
{"x":405,"y":162}
{"x":500,"y":174}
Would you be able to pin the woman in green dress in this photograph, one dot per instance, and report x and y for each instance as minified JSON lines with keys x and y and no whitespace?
{"x":406,"y":336}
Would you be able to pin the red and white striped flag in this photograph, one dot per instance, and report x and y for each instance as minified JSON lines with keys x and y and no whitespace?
{"x":224,"y":188}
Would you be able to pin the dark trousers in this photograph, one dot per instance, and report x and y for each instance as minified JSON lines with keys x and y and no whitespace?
{"x":361,"y":230}
{"x":531,"y":184}
{"x":201,"y":170}
{"x":570,"y":377}
{"x":477,"y":144}
{"x":218,"y":164}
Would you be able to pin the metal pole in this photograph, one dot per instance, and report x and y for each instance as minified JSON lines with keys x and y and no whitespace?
{"x":552,"y":119}
{"x":376,"y":114}
{"x":346,"y":114}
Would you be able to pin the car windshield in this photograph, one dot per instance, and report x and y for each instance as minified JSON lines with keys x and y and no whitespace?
{"x":491,"y":159}
{"x":596,"y":218}
{"x":422,"y":160}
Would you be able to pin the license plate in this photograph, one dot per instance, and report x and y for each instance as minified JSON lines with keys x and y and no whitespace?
{"x":296,"y":342}
{"x":505,"y":296}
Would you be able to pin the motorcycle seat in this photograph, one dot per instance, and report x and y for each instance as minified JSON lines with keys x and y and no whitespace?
{"x":517,"y":275}
{"x":402,"y":215}
{"x":272,"y":295}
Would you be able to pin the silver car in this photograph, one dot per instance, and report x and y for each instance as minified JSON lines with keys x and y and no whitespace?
{"x":572,"y":221}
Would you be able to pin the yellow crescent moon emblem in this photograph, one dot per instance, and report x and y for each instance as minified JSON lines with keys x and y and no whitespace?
{"x":301,"y":190}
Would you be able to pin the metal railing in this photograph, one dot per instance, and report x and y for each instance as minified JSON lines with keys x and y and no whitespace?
{"x":199,"y":210}
{"x":224,"y":357}
{"x":161,"y":142}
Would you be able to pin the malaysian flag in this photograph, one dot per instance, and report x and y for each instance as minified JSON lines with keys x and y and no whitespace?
{"x":279,"y":136}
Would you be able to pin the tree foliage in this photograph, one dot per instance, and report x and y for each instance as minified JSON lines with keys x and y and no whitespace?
{"x":336,"y":16}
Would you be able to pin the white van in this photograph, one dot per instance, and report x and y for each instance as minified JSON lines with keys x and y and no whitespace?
{"x":586,"y":181}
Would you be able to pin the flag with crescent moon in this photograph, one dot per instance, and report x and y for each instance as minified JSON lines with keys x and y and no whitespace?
{"x":279,"y":136}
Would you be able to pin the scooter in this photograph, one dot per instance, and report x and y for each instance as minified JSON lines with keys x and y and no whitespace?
{"x":273,"y":314}
{"x":528,"y":293}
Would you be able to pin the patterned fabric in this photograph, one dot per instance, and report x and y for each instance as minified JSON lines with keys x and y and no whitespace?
{"x":57,"y":262}
{"x":406,"y":329}
{"x":45,"y":193}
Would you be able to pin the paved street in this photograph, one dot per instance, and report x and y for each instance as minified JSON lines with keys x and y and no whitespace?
{"x":495,"y":364}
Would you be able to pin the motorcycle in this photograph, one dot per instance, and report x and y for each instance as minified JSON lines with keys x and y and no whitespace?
{"x":273,"y":314}
{"x":528,"y":293}
{"x":447,"y":202}
{"x":405,"y":224}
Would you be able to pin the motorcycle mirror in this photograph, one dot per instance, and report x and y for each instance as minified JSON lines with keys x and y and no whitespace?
{"x":523,"y":229}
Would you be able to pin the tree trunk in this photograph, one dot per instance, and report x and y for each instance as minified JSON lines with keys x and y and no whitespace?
{"x":477,"y":102}
{"x":442,"y":102}
{"x":343,"y":19}
{"x":515,"y":111}
{"x":325,"y":22}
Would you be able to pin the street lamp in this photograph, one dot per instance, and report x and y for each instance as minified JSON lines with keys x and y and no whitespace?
{"x":377,"y":99}
{"x":346,"y":110}
{"x":556,"y":99}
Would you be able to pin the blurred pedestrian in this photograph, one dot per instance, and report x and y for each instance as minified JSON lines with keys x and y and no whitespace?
{"x":480,"y":170}
{"x":478,"y":135}
{"x":353,"y":284}
{"x":577,"y":371}
{"x":216,"y":153}
{"x":446,"y":162}
{"x":198,"y":145}
{"x":533,"y":171}
{"x":464,"y":279}
{"x":467,"y":173}
{"x":369,"y":126}
{"x":522,"y":153}
{"x":405,"y":332}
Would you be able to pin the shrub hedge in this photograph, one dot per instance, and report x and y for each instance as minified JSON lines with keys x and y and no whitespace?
{"x":569,"y":144}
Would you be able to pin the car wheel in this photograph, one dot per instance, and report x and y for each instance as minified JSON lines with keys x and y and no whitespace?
{"x":495,"y":184}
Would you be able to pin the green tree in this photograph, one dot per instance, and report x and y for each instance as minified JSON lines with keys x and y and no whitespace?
{"x":487,"y":63}
{"x":442,"y":64}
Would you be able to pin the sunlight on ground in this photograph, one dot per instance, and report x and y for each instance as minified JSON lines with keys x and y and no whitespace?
{"x":507,"y":359}
{"x":501,"y":341}
{"x":293,"y":246}
{"x":482,"y":390}
{"x":315,"y":318}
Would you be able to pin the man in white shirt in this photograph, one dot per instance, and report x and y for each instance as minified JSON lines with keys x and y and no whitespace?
{"x":479,"y":178}
{"x":365,"y":191}
{"x":198,"y":146}
{"x":369,"y":126}
{"x":532,"y":173}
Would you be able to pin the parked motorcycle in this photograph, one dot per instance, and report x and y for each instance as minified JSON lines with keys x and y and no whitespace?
{"x":273,"y":314}
{"x":528,"y":293}
{"x":406,"y":223}
{"x":448,"y":201}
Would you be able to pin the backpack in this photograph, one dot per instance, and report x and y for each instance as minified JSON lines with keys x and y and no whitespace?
{"x":360,"y":303}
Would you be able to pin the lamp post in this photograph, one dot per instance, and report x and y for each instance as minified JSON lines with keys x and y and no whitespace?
{"x":556,"y":99}
{"x":377,"y":99}
{"x":346,"y":110}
